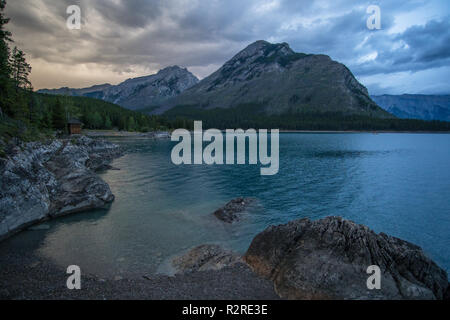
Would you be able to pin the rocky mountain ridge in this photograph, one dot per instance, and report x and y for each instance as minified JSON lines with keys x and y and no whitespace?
{"x":137,"y":93}
{"x":416,"y":106}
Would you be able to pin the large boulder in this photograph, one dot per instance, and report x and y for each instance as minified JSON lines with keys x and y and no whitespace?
{"x":205,"y":258}
{"x":329,"y":259}
{"x":42,"y":180}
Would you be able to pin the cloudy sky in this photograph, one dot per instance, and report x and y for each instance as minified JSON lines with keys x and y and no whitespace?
{"x":120,"y":39}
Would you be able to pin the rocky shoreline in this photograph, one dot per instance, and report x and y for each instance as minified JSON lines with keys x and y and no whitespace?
{"x":158,"y":135}
{"x":39,"y":181}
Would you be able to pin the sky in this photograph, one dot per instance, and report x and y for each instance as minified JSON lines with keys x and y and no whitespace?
{"x":121,"y":39}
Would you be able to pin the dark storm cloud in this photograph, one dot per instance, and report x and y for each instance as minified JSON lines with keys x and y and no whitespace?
{"x":129,"y":13}
{"x":139,"y":35}
{"x":430,"y":42}
{"x":418,"y":48}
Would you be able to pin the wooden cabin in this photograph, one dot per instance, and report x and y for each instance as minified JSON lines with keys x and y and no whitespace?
{"x":74,"y":126}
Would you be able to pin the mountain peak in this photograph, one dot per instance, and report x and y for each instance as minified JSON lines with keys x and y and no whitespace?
{"x":172,"y":69}
{"x":277,"y":79}
{"x":264,"y":49}
{"x":260,"y":57}
{"x":258,"y":44}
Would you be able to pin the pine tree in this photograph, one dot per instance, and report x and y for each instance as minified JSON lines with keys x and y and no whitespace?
{"x":5,"y":70}
{"x":131,"y":125}
{"x":122,"y":123}
{"x":97,"y":121}
{"x":47,"y":119}
{"x":33,"y":110}
{"x":58,"y":115}
{"x":108,"y":123}
{"x":20,"y":70}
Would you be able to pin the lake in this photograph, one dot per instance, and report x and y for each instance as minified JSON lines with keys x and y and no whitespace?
{"x":398,"y":184}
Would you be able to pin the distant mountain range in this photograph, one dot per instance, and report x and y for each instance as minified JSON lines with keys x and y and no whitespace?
{"x":274,"y":80}
{"x":412,"y":106}
{"x":137,"y":93}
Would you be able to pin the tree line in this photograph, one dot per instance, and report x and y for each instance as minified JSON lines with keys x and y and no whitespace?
{"x":253,"y":116}
{"x":98,"y":114}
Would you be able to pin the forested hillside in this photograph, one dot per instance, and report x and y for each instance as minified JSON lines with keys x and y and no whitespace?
{"x":250,"y":116}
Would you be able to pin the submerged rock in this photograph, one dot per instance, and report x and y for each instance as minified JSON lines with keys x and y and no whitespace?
{"x":40,"y":227}
{"x":205,"y":258}
{"x":230,"y":212}
{"x":43,"y":180}
{"x":329,"y":258}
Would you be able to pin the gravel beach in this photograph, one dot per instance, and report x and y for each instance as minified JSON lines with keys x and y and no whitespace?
{"x":25,"y":275}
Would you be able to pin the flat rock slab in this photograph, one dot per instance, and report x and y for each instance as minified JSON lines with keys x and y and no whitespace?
{"x":329,"y":258}
{"x":230,"y":212}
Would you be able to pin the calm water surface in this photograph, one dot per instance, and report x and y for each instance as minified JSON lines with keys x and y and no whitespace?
{"x":398,"y":184}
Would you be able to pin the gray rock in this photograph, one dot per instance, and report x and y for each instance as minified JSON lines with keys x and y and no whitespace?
{"x":230,"y":212}
{"x":328,"y":259}
{"x":43,"y":180}
{"x":205,"y":258}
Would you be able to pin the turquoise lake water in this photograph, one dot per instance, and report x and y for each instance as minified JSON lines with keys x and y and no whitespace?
{"x":398,"y":184}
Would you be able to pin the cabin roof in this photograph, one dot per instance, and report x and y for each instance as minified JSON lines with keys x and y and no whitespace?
{"x":74,"y":121}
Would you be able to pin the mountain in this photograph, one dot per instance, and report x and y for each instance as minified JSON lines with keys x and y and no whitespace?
{"x":138,"y":93}
{"x":279,"y":80}
{"x":412,"y":106}
{"x":85,"y":92}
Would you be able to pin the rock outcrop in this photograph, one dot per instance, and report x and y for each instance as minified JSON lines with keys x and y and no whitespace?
{"x":43,"y":180}
{"x":329,"y":258}
{"x":230,"y":212}
{"x":205,"y":258}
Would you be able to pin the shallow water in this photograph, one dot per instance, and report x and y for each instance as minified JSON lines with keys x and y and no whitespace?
{"x":398,"y":184}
